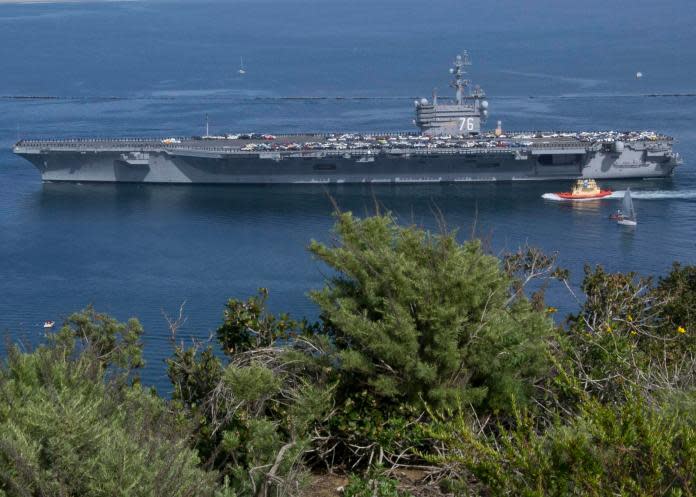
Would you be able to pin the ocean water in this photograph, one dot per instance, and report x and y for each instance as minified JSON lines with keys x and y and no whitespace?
{"x":155,"y":68}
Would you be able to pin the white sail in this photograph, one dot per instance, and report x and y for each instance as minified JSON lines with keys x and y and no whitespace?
{"x":627,"y":206}
{"x":628,"y":213}
{"x":241,"y":66}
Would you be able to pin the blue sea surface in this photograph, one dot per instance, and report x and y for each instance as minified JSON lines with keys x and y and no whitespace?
{"x":156,"y":68}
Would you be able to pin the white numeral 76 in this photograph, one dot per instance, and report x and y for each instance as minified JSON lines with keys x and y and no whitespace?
{"x":468,"y":122}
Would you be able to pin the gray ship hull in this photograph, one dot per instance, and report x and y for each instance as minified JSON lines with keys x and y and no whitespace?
{"x":196,"y":165}
{"x":450,"y":147}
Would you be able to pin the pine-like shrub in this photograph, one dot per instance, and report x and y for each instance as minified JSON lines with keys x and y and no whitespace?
{"x":416,"y":316}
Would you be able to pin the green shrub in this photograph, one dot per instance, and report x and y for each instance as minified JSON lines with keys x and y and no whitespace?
{"x":677,"y":291}
{"x":374,"y":484}
{"x":109,"y":344}
{"x":415,"y":316}
{"x":630,"y":448}
{"x":255,"y":408}
{"x":630,"y":333}
{"x":66,"y":430}
{"x":247,"y":326}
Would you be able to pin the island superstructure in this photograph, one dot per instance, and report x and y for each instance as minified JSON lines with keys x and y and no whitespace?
{"x":451,"y":146}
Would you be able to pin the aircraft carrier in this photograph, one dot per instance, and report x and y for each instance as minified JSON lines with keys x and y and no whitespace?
{"x":451,"y":146}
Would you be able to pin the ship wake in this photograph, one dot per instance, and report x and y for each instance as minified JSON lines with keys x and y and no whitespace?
{"x":636,"y":194}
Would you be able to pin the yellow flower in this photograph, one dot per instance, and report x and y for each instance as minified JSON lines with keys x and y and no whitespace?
{"x":633,"y":332}
{"x":629,"y":318}
{"x":681,"y":329}
{"x":551,"y":310}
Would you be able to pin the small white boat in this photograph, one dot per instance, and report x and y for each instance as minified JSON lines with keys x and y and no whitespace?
{"x":627,"y":215}
{"x":241,"y":66}
{"x":49,"y":324}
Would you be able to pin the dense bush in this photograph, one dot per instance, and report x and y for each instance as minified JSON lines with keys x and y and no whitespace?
{"x":373,"y":484}
{"x":247,"y":326}
{"x":67,"y":429}
{"x":416,"y":317}
{"x":678,"y":292}
{"x":630,"y":448}
{"x":624,"y":418}
{"x":631,"y":333}
{"x":428,"y":353}
{"x":254,"y":408}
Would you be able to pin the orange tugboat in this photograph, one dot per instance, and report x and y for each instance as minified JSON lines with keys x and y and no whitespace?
{"x":584,"y":189}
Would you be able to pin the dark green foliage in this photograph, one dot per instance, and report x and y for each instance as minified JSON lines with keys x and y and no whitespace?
{"x":67,"y":430}
{"x":678,"y":291}
{"x":247,"y":326}
{"x":624,"y":417}
{"x":630,"y":333}
{"x":604,"y":450}
{"x":193,"y":374}
{"x":374,"y":484}
{"x":428,"y":352}
{"x":254,"y":411}
{"x":420,"y":317}
{"x":108,"y":342}
{"x":617,"y":299}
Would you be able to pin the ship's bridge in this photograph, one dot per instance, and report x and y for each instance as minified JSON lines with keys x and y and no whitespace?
{"x":461,"y":116}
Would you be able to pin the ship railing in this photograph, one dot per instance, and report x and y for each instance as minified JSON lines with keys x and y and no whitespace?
{"x":133,"y":147}
{"x":535,"y":135}
{"x":155,"y":146}
{"x":143,"y":144}
{"x":561,"y":145}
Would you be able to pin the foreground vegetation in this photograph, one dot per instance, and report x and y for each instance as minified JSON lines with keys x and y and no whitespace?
{"x":430,"y":355}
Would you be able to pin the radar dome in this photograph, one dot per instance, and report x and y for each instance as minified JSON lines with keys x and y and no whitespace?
{"x":484,"y":104}
{"x":424,"y":101}
{"x":451,"y":71}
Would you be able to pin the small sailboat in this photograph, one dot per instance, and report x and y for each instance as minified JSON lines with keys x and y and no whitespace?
{"x":627,"y":215}
{"x":241,"y":66}
{"x":49,"y":324}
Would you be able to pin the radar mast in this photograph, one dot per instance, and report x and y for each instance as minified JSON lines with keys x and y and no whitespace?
{"x":458,"y":71}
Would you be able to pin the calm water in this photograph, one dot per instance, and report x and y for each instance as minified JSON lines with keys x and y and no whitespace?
{"x":156,"y":68}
